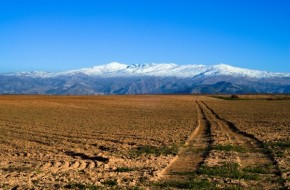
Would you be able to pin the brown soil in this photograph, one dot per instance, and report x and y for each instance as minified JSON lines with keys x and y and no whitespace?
{"x":267,"y":119}
{"x":226,"y":133}
{"x":66,"y":142}
{"x":211,"y":138}
{"x":49,"y":142}
{"x":192,"y":154}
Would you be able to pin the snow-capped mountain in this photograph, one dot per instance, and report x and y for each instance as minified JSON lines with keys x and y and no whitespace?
{"x":116,"y":69}
{"x":117,"y":78}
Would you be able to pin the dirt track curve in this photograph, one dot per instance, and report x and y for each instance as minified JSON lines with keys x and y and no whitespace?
{"x":205,"y":148}
{"x":194,"y":152}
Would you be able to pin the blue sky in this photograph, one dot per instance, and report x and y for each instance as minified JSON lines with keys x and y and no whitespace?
{"x":56,"y":35}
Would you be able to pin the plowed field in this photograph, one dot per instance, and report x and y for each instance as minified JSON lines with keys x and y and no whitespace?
{"x":144,"y":142}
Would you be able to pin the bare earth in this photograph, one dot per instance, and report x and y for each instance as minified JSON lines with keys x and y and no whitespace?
{"x":144,"y":142}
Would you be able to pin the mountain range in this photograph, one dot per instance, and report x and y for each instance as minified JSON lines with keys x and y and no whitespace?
{"x":117,"y":78}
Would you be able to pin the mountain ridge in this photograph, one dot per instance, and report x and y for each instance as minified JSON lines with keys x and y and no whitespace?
{"x":169,"y":78}
{"x":116,"y":69}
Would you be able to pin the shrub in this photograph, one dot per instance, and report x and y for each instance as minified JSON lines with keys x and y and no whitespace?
{"x":192,"y":184}
{"x":230,"y":170}
{"x":125,"y":169}
{"x":157,"y":151}
{"x":234,"y":96}
{"x":110,"y":182}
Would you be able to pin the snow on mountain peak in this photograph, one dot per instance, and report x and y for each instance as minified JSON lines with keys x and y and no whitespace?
{"x":116,"y":69}
{"x":223,"y":69}
{"x":114,"y":66}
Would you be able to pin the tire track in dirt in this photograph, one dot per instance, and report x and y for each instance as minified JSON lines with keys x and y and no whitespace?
{"x":255,"y":156}
{"x":193,"y":153}
{"x":64,"y":165}
{"x":80,"y":162}
{"x":59,"y":167}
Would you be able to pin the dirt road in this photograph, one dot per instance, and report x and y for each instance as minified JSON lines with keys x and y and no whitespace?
{"x":217,"y":150}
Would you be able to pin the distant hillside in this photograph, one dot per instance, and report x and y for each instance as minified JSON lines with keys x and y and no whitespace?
{"x":116,"y":78}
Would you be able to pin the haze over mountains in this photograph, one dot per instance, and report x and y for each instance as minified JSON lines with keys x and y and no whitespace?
{"x":117,"y":78}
